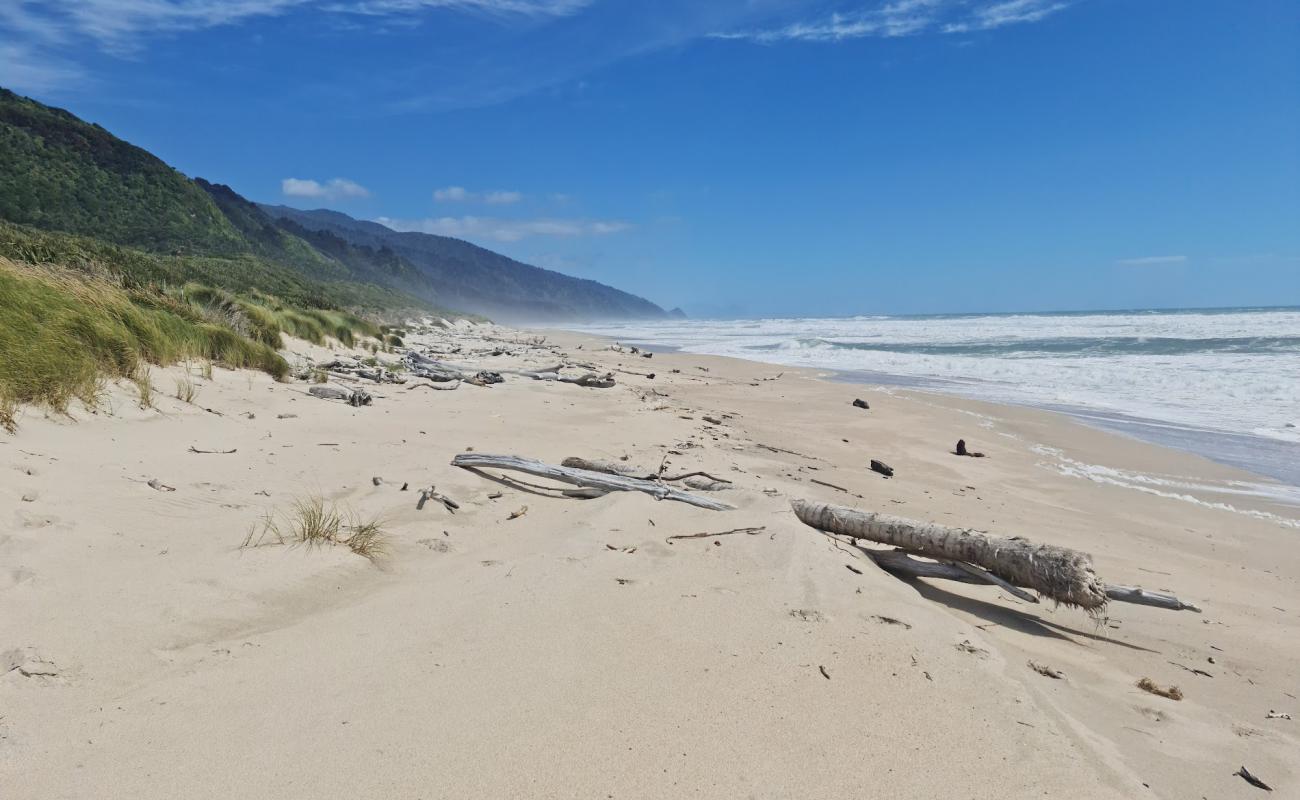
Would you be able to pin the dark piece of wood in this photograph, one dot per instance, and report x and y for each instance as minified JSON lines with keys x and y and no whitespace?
{"x":1252,"y":780}
{"x":860,"y":403}
{"x":746,"y":531}
{"x":882,"y":468}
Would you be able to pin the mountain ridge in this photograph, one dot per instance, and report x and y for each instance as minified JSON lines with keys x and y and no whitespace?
{"x":460,"y":271}
{"x":64,"y":176}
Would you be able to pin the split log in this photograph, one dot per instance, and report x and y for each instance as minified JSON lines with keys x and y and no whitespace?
{"x":585,"y":478}
{"x":1062,"y":574}
{"x":901,"y":563}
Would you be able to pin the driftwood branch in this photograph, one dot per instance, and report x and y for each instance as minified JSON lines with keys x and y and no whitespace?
{"x":585,"y":478}
{"x":1062,"y":574}
{"x":616,"y":468}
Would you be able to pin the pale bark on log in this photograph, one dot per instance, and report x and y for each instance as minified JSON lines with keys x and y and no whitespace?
{"x":584,"y":478}
{"x":1062,"y":574}
{"x":900,"y":563}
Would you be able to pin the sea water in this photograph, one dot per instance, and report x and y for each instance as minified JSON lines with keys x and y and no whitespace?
{"x":1224,"y":383}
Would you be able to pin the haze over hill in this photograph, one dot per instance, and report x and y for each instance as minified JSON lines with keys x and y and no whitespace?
{"x":61,"y":174}
{"x":464,"y":275}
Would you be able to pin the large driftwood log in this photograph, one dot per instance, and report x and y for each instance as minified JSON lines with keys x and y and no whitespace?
{"x":1062,"y":574}
{"x":590,"y":380}
{"x":585,"y":478}
{"x":900,"y":563}
{"x":353,"y":397}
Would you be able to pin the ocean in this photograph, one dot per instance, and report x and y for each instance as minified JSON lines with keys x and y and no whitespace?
{"x":1224,"y":383}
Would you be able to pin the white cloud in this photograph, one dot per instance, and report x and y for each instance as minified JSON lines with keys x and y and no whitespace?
{"x":23,"y":69}
{"x":1008,"y":12}
{"x":904,"y":18}
{"x":336,"y":189}
{"x":506,"y":230}
{"x":119,"y":26}
{"x":459,"y":194}
{"x":451,"y":194}
{"x":1151,"y":261}
{"x":502,"y":198}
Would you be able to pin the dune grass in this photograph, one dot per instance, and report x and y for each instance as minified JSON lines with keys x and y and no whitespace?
{"x":63,"y":333}
{"x":313,"y":522}
{"x":186,"y":390}
{"x":264,"y":318}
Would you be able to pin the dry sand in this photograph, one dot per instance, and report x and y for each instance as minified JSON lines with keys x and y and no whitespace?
{"x":573,"y":652}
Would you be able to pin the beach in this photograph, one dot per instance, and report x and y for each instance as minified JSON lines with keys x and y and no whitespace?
{"x":533,"y":645}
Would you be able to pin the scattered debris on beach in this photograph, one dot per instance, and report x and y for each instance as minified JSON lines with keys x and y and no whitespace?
{"x":1148,"y":685}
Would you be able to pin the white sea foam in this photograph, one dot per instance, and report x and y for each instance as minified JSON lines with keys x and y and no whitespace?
{"x":1236,"y":372}
{"x":1223,"y":383}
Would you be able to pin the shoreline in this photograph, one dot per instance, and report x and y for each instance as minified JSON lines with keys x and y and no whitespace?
{"x":1228,"y":485}
{"x":152,"y":650}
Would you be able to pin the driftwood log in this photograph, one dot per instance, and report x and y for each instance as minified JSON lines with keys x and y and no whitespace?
{"x":900,"y":563}
{"x":353,"y":397}
{"x":1062,"y":574}
{"x":585,"y":478}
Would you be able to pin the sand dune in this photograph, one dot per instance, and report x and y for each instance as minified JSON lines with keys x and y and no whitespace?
{"x":573,"y":651}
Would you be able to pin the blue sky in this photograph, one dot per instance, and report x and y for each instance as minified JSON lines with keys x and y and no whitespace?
{"x":746,"y":157}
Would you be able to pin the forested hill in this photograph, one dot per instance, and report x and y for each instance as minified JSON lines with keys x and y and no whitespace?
{"x":65,"y":176}
{"x":467,"y":276}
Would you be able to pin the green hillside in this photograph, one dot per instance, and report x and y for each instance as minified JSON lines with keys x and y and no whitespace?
{"x":60,"y":173}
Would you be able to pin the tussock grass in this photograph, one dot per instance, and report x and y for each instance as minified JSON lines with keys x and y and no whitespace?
{"x":186,"y":391}
{"x":63,"y":333}
{"x":142,"y":377}
{"x":313,"y":522}
{"x":205,"y":369}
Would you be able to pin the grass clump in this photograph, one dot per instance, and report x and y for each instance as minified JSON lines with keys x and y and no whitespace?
{"x":313,"y":522}
{"x":186,"y":391}
{"x":143,"y":380}
{"x":63,"y":333}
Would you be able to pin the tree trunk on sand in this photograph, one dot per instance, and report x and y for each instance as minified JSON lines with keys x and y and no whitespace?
{"x":1062,"y":574}
{"x":900,"y":563}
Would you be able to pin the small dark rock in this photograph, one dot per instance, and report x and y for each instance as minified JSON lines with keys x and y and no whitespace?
{"x":860,"y":403}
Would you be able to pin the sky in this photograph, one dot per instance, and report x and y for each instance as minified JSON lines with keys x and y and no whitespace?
{"x":738,"y":157}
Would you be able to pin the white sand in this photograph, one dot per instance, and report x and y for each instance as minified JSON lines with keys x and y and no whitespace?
{"x":525,"y":658}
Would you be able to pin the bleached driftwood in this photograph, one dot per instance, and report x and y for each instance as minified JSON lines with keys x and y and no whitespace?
{"x":585,"y":478}
{"x":440,"y":387}
{"x":1062,"y":574}
{"x":590,"y":380}
{"x":701,"y":481}
{"x":901,"y":563}
{"x":353,"y":397}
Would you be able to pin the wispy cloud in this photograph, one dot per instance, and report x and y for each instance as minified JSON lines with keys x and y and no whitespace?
{"x":1009,"y":12}
{"x":28,"y":69}
{"x":335,"y":189}
{"x":1151,"y":261}
{"x":904,"y":18}
{"x":121,"y":27}
{"x":459,"y":194}
{"x":506,"y":230}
